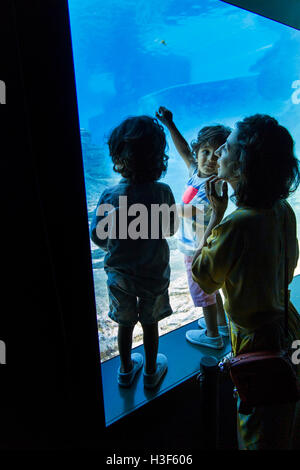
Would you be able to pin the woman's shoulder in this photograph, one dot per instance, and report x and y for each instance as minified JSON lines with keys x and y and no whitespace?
{"x":241,"y":221}
{"x":239,"y":215}
{"x":248,"y":216}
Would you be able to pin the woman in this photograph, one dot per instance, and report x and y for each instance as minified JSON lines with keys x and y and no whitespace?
{"x":244,"y":254}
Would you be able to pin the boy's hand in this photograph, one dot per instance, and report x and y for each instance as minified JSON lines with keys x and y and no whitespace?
{"x":164,"y":115}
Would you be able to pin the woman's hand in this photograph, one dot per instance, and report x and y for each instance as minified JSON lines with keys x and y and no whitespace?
{"x":218,"y":203}
{"x":164,"y":115}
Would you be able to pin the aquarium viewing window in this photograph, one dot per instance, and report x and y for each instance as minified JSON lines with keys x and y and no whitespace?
{"x":208,"y":62}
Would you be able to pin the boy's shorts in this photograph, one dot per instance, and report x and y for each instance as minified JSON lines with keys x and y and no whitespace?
{"x":200,"y":298}
{"x":127,"y":309}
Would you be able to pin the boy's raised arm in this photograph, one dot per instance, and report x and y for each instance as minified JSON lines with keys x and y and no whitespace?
{"x":183,"y":148}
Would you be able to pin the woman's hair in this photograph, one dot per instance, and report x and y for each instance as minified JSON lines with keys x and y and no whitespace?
{"x":269,"y":168}
{"x":137,"y":148}
{"x":214,"y":136}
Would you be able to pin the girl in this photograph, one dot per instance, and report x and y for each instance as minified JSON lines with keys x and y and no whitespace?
{"x":201,"y":163}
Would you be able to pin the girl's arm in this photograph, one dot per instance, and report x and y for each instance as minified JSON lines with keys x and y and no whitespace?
{"x":166,"y":117}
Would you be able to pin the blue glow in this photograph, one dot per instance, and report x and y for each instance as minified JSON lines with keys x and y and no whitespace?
{"x":224,"y":62}
{"x":207,"y":61}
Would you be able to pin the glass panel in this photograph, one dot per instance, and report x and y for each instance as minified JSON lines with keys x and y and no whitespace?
{"x":208,"y":62}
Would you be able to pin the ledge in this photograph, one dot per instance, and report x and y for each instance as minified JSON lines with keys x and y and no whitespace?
{"x":183,"y":363}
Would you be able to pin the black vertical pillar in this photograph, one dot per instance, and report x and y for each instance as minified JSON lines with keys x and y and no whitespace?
{"x":50,"y":386}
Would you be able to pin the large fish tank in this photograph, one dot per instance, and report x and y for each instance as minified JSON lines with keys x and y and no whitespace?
{"x":208,"y":62}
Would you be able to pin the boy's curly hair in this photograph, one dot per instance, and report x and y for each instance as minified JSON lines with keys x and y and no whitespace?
{"x":269,"y":168}
{"x":137,"y":148}
{"x":211,"y":135}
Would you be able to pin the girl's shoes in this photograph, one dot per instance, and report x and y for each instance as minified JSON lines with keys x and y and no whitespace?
{"x":200,"y":338}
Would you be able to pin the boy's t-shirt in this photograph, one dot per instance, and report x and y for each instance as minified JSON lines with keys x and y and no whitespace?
{"x":141,"y":266}
{"x":189,"y":233}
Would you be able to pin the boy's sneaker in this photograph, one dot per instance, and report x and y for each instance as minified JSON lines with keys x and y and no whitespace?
{"x":125,"y":379}
{"x":200,"y":338}
{"x":152,"y":380}
{"x":223,"y":330}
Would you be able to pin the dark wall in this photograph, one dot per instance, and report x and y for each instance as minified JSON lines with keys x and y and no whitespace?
{"x":50,"y":384}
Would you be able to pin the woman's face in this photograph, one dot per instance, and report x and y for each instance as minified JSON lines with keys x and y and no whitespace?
{"x":228,"y":158}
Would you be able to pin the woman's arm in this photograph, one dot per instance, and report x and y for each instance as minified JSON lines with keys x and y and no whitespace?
{"x":166,"y":117}
{"x":214,"y":221}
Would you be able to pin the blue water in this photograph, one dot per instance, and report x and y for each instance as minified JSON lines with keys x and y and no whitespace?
{"x":207,"y":61}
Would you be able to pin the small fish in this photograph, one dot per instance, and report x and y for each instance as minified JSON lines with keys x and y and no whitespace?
{"x":163,"y":42}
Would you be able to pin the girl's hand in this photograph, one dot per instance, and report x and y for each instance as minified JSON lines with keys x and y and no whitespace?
{"x":164,"y":115}
{"x":218,"y":203}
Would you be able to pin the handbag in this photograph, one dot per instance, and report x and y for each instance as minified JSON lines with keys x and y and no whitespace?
{"x":264,"y":377}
